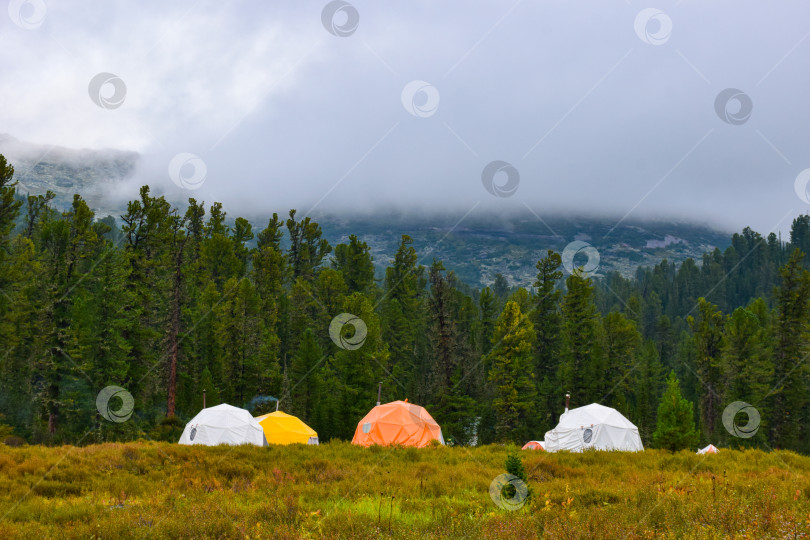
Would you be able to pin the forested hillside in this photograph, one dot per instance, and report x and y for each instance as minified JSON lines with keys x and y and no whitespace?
{"x":176,"y":301}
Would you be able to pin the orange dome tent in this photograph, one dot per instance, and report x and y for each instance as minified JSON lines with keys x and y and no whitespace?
{"x":534,"y":445}
{"x":398,"y":422}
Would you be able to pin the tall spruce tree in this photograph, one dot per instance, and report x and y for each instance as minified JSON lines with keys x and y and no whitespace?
{"x":404,"y":320}
{"x":356,"y":264}
{"x":707,"y":328}
{"x":789,"y":394}
{"x":675,"y":429}
{"x":581,"y":355}
{"x":512,"y":376}
{"x":746,"y":356}
{"x":305,"y":373}
{"x":451,"y":357}
{"x":621,"y":343}
{"x":547,"y":321}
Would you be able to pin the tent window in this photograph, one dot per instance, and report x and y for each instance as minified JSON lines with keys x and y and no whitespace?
{"x":587,"y":435}
{"x":366,"y":427}
{"x":193,"y":433}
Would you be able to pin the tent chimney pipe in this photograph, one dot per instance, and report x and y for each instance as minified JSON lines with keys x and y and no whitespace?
{"x":567,"y":401}
{"x":379,"y":393}
{"x":277,"y":404}
{"x":203,"y":398}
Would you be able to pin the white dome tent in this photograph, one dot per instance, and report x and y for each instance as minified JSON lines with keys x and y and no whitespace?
{"x":594,"y":427}
{"x":223,"y":424}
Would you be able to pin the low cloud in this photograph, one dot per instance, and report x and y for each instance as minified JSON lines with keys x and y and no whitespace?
{"x":597,"y":112}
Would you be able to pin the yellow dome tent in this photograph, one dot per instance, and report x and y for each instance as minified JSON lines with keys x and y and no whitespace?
{"x":282,"y":428}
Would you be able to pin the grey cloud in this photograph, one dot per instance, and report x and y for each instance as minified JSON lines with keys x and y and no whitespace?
{"x":284,"y":113}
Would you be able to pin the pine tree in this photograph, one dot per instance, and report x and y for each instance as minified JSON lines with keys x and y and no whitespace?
{"x":208,"y":389}
{"x":647,"y":381}
{"x":238,"y":329}
{"x":146,"y":231}
{"x":16,"y":262}
{"x":746,"y":356}
{"x":486,"y":326}
{"x":359,"y":370}
{"x":356,"y":264}
{"x":404,"y":320}
{"x":330,"y":290}
{"x":102,"y":331}
{"x":514,"y":466}
{"x":452,"y":372}
{"x":789,"y":394}
{"x":9,"y":205}
{"x":36,"y":207}
{"x":176,"y":262}
{"x":307,"y":248}
{"x":268,"y":272}
{"x":512,"y":376}
{"x":443,"y":332}
{"x":500,"y":287}
{"x":70,"y":244}
{"x":675,"y":429}
{"x":547,"y":321}
{"x":305,"y":375}
{"x":581,"y":355}
{"x":708,"y":332}
{"x":241,"y":234}
{"x":622,"y":341}
{"x":219,"y":257}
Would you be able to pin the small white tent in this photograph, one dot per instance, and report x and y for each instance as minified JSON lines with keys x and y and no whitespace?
{"x":711,"y":449}
{"x":223,"y":424}
{"x":595,"y":427}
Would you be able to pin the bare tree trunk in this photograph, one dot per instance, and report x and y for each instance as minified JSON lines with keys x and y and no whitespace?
{"x":53,"y":408}
{"x":174,"y":331}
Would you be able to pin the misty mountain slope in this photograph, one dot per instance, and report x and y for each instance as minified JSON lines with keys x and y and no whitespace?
{"x":476,"y":248}
{"x":480,"y":247}
{"x":65,"y":171}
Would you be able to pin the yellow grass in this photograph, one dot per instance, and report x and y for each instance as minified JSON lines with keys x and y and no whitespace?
{"x":158,"y":490}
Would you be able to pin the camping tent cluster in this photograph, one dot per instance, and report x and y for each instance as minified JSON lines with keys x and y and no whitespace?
{"x":226,"y":424}
{"x":593,"y":426}
{"x":395,"y":423}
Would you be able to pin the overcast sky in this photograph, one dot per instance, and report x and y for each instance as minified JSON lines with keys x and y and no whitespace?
{"x":598,"y":106}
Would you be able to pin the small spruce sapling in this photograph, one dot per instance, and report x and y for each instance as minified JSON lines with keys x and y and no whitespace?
{"x":514,"y":466}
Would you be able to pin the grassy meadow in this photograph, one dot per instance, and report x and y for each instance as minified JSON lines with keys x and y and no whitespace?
{"x":160,"y":490}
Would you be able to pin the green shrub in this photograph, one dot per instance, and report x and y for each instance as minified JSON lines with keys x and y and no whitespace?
{"x":5,"y":430}
{"x":168,"y":430}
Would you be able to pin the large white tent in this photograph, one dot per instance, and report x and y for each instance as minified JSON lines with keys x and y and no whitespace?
{"x":223,"y":424}
{"x":595,"y":427}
